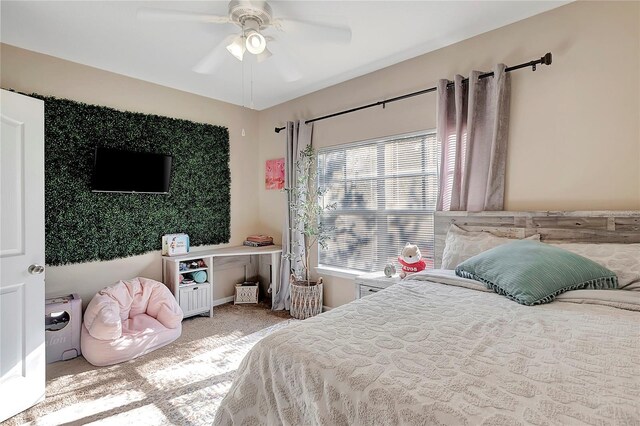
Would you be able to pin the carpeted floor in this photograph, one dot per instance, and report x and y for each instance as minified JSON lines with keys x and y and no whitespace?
{"x":180,"y":384}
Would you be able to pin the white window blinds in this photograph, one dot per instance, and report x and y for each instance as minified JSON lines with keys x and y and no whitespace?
{"x":385,"y":194}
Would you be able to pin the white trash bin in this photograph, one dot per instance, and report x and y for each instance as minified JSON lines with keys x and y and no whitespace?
{"x":63,"y":319}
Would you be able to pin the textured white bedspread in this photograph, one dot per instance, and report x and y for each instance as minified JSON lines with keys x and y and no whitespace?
{"x":427,"y":353}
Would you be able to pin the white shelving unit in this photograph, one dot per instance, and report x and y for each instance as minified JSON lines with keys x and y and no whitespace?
{"x":193,"y":298}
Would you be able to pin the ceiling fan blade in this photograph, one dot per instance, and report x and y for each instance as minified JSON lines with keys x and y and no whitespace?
{"x":215,"y":57}
{"x":285,"y":65}
{"x":152,"y":14}
{"x":266,"y":54}
{"x":326,"y":32}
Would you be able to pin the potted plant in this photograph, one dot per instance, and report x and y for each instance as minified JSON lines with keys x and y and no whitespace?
{"x":306,"y":209}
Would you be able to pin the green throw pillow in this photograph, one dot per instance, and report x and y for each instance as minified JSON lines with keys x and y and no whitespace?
{"x":532,"y":273}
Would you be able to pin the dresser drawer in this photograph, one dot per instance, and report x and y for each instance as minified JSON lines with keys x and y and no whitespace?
{"x":368,"y":284}
{"x":366,"y":290}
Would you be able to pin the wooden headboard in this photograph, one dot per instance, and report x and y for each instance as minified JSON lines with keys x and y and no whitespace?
{"x":577,"y":227}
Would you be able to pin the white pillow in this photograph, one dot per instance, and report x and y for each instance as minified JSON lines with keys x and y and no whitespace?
{"x":461,"y":245}
{"x":623,"y":259}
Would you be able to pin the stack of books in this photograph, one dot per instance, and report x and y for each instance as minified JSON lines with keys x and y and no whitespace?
{"x":258,"y":241}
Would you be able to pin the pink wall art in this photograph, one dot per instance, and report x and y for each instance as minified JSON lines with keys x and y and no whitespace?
{"x":274,"y":174}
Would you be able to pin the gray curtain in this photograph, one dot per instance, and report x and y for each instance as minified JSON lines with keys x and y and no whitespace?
{"x":472,"y":130}
{"x":298,"y":138}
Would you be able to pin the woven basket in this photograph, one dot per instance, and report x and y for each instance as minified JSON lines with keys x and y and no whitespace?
{"x":306,"y":300}
{"x":245,"y":294}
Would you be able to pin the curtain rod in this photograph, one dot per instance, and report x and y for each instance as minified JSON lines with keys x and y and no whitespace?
{"x":545,"y":60}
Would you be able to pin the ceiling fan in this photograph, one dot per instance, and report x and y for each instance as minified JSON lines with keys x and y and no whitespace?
{"x":255,"y":21}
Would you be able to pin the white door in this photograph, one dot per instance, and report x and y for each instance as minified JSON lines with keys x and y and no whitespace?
{"x":22,"y":351}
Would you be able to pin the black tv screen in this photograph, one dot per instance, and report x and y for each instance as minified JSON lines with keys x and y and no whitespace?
{"x":128,"y":171}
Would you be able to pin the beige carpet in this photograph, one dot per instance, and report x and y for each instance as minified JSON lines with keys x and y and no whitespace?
{"x":181,"y":384}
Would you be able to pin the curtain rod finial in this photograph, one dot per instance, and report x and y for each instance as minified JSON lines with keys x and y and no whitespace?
{"x":546,"y":59}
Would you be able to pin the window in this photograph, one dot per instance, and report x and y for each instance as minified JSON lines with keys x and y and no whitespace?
{"x":385,"y":194}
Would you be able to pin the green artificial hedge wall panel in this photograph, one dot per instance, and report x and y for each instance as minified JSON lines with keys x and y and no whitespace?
{"x":83,"y":226}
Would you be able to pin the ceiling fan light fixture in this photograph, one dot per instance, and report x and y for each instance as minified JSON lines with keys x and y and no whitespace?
{"x":255,"y":42}
{"x":237,"y":48}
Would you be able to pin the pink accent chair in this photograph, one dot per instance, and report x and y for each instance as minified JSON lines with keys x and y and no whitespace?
{"x":129,"y":319}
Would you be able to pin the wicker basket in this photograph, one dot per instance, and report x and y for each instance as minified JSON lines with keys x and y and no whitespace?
{"x":306,"y":300}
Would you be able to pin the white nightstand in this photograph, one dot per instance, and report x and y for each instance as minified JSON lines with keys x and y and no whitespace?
{"x":373,"y":282}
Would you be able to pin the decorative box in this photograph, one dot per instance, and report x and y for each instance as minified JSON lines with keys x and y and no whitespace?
{"x":246,"y":293}
{"x":175,"y":244}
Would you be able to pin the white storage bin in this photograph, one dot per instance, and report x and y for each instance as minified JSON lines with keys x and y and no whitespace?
{"x":63,"y":319}
{"x":195,"y":298}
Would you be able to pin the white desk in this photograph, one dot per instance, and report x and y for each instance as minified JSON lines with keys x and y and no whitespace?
{"x":215,"y":259}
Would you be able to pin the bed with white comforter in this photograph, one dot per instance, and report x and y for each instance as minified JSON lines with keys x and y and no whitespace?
{"x":437,"y":349}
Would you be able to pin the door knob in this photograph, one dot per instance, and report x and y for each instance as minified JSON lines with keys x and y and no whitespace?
{"x":36,"y":269}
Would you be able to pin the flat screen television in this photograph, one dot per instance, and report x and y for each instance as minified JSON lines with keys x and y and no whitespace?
{"x":132,"y":172}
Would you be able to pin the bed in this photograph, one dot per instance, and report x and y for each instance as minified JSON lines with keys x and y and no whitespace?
{"x":439,"y":349}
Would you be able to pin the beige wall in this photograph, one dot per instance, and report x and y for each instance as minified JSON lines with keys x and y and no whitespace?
{"x":29,"y":72}
{"x":575,"y":128}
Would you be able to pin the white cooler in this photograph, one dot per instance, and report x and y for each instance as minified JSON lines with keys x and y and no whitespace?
{"x":63,"y":319}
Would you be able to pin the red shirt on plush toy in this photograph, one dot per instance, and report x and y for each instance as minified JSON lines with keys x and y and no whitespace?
{"x":411,"y":260}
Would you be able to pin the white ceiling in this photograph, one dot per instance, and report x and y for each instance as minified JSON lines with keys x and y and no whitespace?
{"x":107,"y":35}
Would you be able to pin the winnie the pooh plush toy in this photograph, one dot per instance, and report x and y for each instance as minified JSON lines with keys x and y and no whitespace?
{"x":411,"y":260}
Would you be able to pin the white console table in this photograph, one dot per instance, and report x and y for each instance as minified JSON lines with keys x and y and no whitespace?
{"x":197,"y":298}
